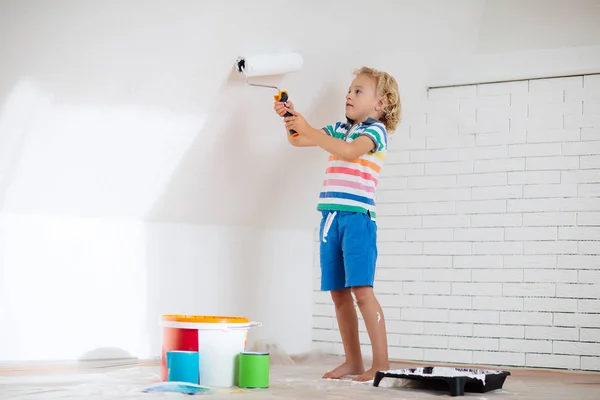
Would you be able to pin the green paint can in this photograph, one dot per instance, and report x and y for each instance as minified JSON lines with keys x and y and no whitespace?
{"x":253,"y":370}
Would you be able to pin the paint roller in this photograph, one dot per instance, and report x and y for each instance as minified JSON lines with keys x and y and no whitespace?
{"x":270,"y":64}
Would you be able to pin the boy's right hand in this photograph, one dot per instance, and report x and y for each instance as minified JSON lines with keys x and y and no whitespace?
{"x":281,"y":108}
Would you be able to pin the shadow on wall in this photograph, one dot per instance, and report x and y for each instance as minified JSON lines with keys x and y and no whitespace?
{"x":205,"y":260}
{"x":218,"y":176}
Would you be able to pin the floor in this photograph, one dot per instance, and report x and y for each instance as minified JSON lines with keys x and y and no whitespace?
{"x":300,"y":379}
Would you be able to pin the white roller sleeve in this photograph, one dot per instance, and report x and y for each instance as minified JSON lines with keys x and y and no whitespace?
{"x":271,"y":64}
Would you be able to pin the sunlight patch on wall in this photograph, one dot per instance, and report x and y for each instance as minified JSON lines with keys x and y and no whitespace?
{"x":71,"y":285}
{"x":90,"y":160}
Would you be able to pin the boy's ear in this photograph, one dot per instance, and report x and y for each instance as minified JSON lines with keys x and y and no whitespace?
{"x":381,"y":103}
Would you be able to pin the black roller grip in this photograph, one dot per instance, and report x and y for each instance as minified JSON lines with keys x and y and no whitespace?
{"x":283,"y":97}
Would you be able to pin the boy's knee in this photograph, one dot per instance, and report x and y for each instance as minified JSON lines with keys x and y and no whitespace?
{"x":341,"y":297}
{"x":362,"y":293}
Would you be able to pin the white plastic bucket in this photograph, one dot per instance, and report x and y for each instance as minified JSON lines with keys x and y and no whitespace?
{"x":219,"y":344}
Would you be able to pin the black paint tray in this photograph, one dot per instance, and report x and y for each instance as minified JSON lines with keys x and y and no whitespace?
{"x":457,"y":380}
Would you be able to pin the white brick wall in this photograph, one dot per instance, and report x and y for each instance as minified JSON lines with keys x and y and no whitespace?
{"x":489,"y":229}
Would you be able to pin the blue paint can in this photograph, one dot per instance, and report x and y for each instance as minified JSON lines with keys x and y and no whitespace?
{"x":183,"y":366}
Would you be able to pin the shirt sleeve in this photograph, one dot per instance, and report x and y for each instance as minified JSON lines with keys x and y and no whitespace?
{"x":332,"y":130}
{"x":377,"y":133}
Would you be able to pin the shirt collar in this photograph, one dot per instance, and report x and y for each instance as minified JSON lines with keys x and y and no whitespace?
{"x":369,"y":121}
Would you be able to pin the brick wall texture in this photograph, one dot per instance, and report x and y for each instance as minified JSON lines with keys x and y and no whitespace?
{"x":489,"y":229}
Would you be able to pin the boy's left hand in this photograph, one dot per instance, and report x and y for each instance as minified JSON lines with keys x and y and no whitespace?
{"x":296,"y":122}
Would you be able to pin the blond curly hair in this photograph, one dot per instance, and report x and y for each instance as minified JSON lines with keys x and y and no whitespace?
{"x":388,"y":88}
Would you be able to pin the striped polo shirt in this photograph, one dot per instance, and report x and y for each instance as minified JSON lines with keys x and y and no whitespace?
{"x":351,"y":185}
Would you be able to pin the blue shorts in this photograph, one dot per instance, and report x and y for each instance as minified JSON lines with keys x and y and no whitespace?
{"x":348,"y":244}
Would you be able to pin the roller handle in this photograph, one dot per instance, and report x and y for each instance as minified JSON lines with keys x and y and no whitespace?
{"x":283,"y":97}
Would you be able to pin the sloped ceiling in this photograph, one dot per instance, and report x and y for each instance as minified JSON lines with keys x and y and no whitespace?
{"x":514,"y":25}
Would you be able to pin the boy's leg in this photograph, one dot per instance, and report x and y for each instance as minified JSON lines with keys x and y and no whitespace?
{"x":348,"y":325}
{"x":375,"y":322}
{"x":333,"y":279}
{"x":359,"y":245}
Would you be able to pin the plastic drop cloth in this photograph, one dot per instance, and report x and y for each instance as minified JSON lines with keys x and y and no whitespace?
{"x":290,"y":378}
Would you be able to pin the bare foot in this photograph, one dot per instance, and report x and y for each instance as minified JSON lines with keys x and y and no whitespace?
{"x":369,"y":375}
{"x":344,"y":370}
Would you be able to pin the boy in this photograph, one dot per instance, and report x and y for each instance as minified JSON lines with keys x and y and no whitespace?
{"x":348,"y":230}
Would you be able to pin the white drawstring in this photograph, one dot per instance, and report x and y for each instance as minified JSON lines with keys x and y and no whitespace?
{"x":328,"y":223}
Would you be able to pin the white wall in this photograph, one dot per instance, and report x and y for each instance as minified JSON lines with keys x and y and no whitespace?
{"x":133,"y":156}
{"x":69,"y":286}
{"x":130,"y":152}
{"x":490,"y":229}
